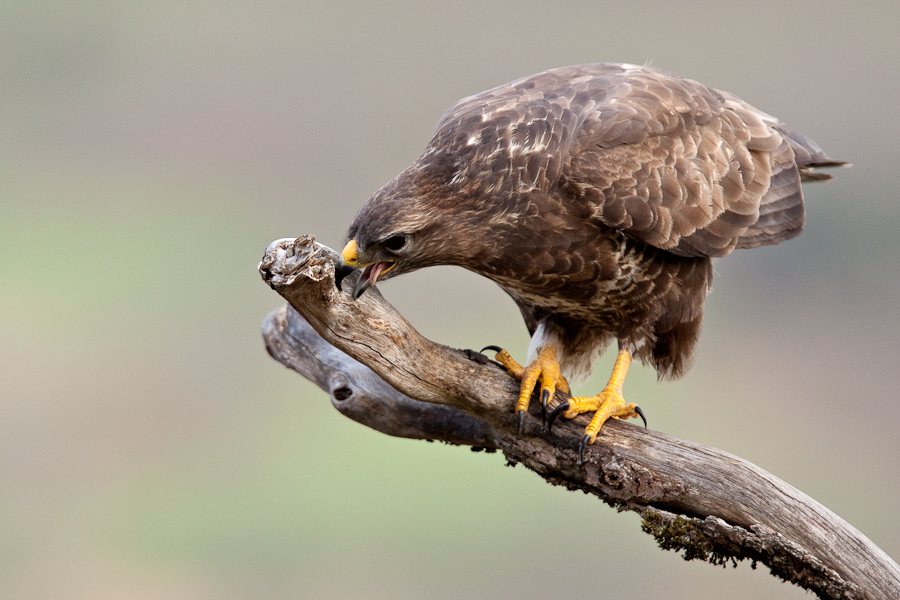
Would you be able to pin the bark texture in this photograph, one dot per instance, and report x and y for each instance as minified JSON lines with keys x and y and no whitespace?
{"x":694,"y":498}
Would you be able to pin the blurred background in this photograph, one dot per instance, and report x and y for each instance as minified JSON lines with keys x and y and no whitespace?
{"x":149,"y":152}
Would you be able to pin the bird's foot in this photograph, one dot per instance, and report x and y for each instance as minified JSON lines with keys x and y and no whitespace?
{"x":608,"y":404}
{"x":544,"y":368}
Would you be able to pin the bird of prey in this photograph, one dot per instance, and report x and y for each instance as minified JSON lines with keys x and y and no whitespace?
{"x":596,"y":196}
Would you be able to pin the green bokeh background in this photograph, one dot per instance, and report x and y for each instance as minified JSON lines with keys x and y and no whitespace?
{"x":149,"y":152}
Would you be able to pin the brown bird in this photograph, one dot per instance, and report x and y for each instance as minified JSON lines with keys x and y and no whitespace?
{"x":596,"y":196}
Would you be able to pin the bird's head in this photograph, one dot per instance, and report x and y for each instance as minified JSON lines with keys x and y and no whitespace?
{"x":393,"y":234}
{"x":378,"y":260}
{"x":426,"y":216}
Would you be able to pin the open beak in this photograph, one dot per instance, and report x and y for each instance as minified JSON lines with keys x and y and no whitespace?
{"x":370,"y":274}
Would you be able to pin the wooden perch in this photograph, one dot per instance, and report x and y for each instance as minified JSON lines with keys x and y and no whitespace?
{"x":706,"y":502}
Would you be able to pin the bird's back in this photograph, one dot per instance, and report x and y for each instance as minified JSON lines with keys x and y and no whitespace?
{"x":667,"y":160}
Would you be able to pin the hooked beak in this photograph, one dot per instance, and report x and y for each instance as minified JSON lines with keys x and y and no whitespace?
{"x":347,"y":264}
{"x":370,"y":274}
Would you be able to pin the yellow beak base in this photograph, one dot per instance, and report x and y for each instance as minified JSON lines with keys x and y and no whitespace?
{"x":350,"y":254}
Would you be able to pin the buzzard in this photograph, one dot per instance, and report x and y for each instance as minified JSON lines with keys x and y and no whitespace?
{"x":596,"y":196}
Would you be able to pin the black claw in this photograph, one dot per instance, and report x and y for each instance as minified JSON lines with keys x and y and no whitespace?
{"x":545,"y":398}
{"x":494,"y":348}
{"x":520,"y":417}
{"x":640,"y":413}
{"x":555,"y":413}
{"x":582,"y":446}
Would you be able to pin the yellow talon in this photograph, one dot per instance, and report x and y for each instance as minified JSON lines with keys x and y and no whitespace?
{"x":544,"y":368}
{"x":608,"y":404}
{"x":505,"y":358}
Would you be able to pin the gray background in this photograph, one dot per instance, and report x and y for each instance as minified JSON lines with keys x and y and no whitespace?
{"x":149,"y":152}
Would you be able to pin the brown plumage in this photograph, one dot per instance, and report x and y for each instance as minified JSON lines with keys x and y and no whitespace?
{"x":596,"y":196}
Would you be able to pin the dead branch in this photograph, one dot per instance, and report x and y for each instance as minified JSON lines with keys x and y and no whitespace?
{"x":706,"y":502}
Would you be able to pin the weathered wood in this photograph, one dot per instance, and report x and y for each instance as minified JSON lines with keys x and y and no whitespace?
{"x":709,"y":503}
{"x":360,"y":394}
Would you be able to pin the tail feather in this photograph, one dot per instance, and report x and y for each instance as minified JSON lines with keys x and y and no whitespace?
{"x":808,"y":156}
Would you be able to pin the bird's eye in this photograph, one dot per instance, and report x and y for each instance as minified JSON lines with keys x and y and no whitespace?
{"x":394,"y":243}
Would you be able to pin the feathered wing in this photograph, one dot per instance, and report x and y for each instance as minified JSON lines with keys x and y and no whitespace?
{"x":688,"y":169}
{"x":667,"y":160}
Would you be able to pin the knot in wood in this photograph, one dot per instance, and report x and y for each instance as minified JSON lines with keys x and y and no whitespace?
{"x":341,"y":389}
{"x":614,"y":472}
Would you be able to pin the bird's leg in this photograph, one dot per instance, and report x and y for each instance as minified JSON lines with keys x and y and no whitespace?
{"x":544,"y":368}
{"x":609,"y":403}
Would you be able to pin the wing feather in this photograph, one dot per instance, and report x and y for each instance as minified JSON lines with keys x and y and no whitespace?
{"x":689,"y":169}
{"x":667,"y":160}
